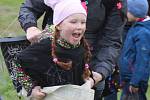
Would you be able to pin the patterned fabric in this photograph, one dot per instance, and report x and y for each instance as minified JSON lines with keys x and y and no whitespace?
{"x":67,"y":45}
{"x":49,"y":31}
{"x":26,"y":81}
{"x":10,"y":47}
{"x":37,"y":62}
{"x":23,"y":79}
{"x":112,"y":83}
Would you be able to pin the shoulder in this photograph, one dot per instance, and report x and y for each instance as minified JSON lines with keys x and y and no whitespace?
{"x":43,"y":43}
{"x":43,"y":46}
{"x":142,"y":27}
{"x":37,"y":4}
{"x":140,"y":32}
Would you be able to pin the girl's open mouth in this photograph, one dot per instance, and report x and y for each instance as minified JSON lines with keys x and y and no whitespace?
{"x":76,"y":35}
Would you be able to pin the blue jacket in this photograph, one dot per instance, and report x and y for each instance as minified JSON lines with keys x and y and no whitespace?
{"x":134,"y":61}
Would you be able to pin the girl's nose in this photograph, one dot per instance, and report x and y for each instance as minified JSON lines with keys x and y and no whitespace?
{"x":80,"y":26}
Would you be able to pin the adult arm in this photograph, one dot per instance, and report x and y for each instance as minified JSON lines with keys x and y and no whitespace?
{"x":30,"y":12}
{"x":110,"y":44}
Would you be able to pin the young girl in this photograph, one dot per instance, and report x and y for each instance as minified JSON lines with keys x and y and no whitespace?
{"x":62,"y":58}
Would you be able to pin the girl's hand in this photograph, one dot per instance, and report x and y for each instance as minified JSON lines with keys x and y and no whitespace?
{"x":97,"y":77}
{"x":89,"y":83}
{"x":37,"y":94}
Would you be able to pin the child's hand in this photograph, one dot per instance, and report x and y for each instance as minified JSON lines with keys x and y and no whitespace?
{"x":37,"y":94}
{"x":89,"y":83}
{"x":133,"y":89}
{"x":97,"y":77}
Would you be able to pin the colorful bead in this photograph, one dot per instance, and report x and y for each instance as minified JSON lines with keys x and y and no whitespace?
{"x":119,"y":5}
{"x":86,"y":65}
{"x":55,"y":60}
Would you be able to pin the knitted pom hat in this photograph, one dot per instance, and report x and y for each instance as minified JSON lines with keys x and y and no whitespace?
{"x":64,"y":8}
{"x":139,"y":8}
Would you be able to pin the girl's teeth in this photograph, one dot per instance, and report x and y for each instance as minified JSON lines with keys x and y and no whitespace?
{"x":75,"y":35}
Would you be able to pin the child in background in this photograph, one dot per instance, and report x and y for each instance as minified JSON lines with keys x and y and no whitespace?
{"x":63,"y":58}
{"x":135,"y":55}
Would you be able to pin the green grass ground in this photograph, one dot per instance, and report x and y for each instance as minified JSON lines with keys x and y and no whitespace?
{"x":9,"y":26}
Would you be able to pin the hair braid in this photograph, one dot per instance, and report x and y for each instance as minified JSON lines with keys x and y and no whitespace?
{"x":64,"y":65}
{"x":87,"y":56}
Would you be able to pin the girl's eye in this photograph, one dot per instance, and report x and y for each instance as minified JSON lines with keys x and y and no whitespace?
{"x":73,"y":22}
{"x":83,"y":22}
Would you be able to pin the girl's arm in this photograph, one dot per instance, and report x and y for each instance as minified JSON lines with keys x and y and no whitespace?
{"x":25,"y":81}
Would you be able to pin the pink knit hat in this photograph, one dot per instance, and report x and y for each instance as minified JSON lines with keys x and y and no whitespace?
{"x":64,"y":8}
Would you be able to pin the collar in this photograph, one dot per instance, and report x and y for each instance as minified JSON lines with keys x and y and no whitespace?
{"x":140,"y":19}
{"x":63,"y":43}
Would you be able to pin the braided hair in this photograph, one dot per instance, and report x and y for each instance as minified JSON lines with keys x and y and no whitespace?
{"x":67,"y":65}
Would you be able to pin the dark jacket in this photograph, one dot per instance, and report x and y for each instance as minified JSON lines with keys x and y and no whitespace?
{"x":149,"y":7}
{"x":104,"y":29}
{"x":37,"y":63}
{"x":135,"y":55}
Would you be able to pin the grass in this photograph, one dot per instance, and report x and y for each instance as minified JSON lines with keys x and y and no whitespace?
{"x":7,"y":90}
{"x":9,"y":27}
{"x":8,"y":18}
